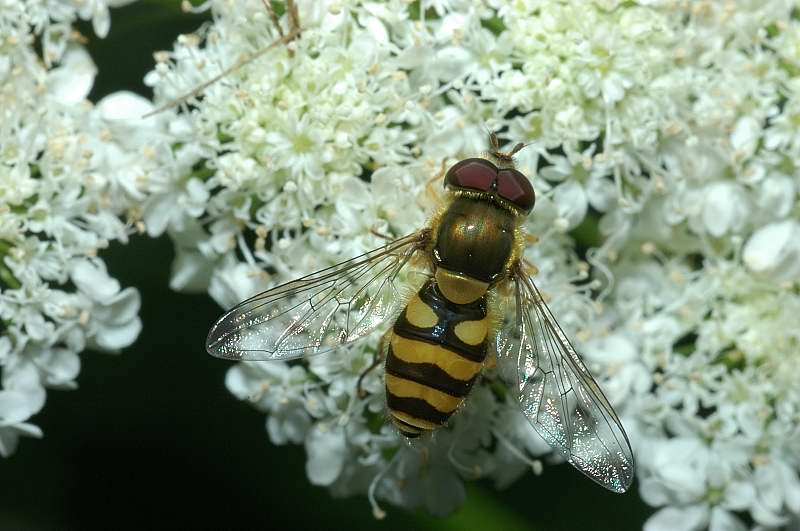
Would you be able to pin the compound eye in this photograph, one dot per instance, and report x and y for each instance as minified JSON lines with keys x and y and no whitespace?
{"x":515,"y":188}
{"x":473,"y":174}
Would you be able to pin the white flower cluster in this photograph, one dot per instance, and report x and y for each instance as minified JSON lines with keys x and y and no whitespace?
{"x":60,"y":204}
{"x":670,"y":125}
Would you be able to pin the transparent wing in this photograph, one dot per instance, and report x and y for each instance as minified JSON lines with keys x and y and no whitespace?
{"x":556,"y":392}
{"x":318,"y":312}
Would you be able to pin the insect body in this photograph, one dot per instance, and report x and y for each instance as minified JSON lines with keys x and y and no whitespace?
{"x":436,"y":351}
{"x":440,"y":341}
{"x":443,"y":334}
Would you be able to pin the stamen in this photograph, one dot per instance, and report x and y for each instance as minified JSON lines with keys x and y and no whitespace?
{"x":535,"y":464}
{"x":597,"y":264}
{"x":238,"y":64}
{"x":474,"y":470}
{"x":245,"y":249}
{"x":377,"y":512}
{"x":188,"y":7}
{"x":344,"y":419}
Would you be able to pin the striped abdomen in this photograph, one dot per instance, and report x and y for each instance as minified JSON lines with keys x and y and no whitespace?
{"x":436,"y":350}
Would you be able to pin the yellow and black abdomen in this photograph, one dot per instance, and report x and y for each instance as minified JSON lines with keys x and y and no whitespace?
{"x":435,"y":353}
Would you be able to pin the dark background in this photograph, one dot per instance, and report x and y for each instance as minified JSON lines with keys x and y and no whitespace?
{"x":152,"y":439}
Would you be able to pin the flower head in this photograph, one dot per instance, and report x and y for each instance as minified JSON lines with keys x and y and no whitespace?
{"x":61,"y":203}
{"x":666,"y":127}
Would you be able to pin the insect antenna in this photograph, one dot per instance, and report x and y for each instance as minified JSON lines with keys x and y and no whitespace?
{"x":504,"y":156}
{"x":494,"y":142}
{"x":515,"y":149}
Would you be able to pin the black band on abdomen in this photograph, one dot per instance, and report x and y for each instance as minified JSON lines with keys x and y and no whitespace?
{"x":427,"y":374}
{"x":417,"y":408}
{"x":449,"y":315}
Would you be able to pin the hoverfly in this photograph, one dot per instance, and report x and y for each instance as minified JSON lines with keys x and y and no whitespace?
{"x":443,"y":336}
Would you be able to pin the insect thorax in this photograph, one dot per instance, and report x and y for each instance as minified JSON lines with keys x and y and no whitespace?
{"x":474,"y":238}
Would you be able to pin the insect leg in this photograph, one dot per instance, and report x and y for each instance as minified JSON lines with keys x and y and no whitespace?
{"x":381,"y":235}
{"x":491,"y":360}
{"x":380,"y":355}
{"x":429,"y":189}
{"x":531,"y":269}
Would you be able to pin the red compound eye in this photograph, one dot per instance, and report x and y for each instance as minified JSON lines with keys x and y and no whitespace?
{"x":473,"y":174}
{"x":515,"y":188}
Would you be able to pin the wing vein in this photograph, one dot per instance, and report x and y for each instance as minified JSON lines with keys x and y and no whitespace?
{"x":557,"y":393}
{"x":318,"y":312}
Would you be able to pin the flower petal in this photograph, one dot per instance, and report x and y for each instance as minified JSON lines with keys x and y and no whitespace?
{"x":71,"y":82}
{"x":326,"y":452}
{"x":685,"y":518}
{"x":91,"y":278}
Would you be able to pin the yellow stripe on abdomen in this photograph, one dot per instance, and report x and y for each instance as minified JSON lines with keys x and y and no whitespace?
{"x":420,"y":314}
{"x":422,"y":425}
{"x":413,"y":351}
{"x":459,"y":288}
{"x":403,"y":388}
{"x":435,"y":353}
{"x":472,"y":332}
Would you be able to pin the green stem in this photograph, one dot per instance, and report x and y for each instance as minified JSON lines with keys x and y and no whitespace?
{"x":7,"y":278}
{"x":481,"y":511}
